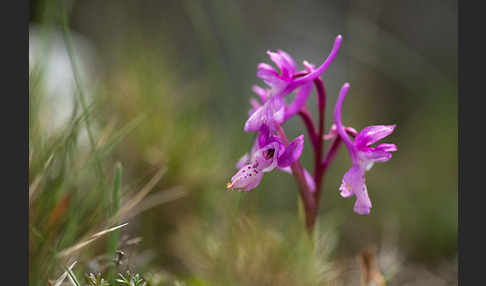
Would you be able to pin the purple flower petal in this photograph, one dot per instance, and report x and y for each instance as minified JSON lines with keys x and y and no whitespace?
{"x":299,"y":100}
{"x":354,"y":184}
{"x":267,"y":67}
{"x":247,"y":178}
{"x":387,"y":147}
{"x":272,"y":111}
{"x":292,"y":152}
{"x":372,"y":134}
{"x":264,"y":159}
{"x":266,"y":72}
{"x":378,"y":154}
{"x":362,"y":205}
{"x":264,"y":94}
{"x":291,"y":63}
{"x":286,"y":67}
{"x":255,"y":105}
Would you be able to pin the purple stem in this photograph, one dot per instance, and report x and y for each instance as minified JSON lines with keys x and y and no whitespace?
{"x":332,"y":150}
{"x":306,"y":117}
{"x":318,"y":171}
{"x":305,"y":193}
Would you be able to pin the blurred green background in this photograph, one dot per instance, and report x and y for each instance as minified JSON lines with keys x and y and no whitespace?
{"x":166,"y":86}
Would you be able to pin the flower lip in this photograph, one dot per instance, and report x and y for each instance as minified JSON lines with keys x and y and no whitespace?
{"x":268,"y":152}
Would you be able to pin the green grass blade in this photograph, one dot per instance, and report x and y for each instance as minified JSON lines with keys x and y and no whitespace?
{"x":114,"y":236}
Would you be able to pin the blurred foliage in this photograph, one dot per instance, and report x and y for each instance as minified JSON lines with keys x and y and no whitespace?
{"x":167,"y":95}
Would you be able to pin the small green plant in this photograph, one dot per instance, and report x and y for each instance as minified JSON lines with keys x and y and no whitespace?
{"x":96,"y":280}
{"x":131,"y":281}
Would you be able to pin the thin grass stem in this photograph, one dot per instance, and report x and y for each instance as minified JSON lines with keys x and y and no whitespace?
{"x":114,"y":236}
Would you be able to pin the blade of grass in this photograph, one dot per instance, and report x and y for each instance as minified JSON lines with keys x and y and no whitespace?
{"x":59,"y":281}
{"x":141,"y":194}
{"x":73,"y":277}
{"x":114,"y":236}
{"x":124,"y":131}
{"x":82,"y":244}
{"x":64,"y":19}
{"x":105,"y":149}
{"x":77,"y":76}
{"x":158,"y":198}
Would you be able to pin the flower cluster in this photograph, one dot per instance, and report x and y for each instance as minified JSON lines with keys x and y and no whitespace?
{"x":271,"y":148}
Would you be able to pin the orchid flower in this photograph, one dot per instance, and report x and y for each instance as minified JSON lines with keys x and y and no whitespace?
{"x":268,"y":153}
{"x":282,"y":83}
{"x":278,"y":81}
{"x":362,"y":155}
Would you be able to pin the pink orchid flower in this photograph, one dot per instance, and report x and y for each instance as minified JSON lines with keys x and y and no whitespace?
{"x":267,"y":153}
{"x":362,"y":155}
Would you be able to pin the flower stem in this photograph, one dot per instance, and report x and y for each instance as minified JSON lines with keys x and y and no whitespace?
{"x":318,"y":170}
{"x":305,"y":193}
{"x":307,"y":119}
{"x":331,"y":152}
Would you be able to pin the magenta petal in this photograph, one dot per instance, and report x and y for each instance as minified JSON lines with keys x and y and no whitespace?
{"x":354,"y":184}
{"x":247,"y":178}
{"x":264,"y":94}
{"x":387,"y":147}
{"x":362,"y":205}
{"x":255,"y":121}
{"x":267,"y":73}
{"x":292,"y":152}
{"x":261,"y":159}
{"x":276,"y":112}
{"x":351,"y":180}
{"x":376,"y":155}
{"x":254,"y":106}
{"x":372,"y":134}
{"x":379,"y":154}
{"x":332,"y":133}
{"x":308,"y":66}
{"x":277,"y":85}
{"x":291,"y":63}
{"x":286,"y":67}
{"x":299,"y":100}
{"x":272,"y":111}
{"x":267,"y":67}
{"x":263,"y":136}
